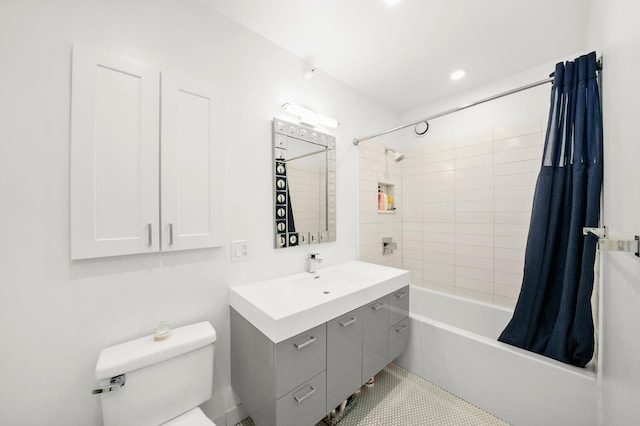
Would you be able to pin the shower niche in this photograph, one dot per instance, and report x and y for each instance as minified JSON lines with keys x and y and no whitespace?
{"x":304,"y":182}
{"x":386,"y":200}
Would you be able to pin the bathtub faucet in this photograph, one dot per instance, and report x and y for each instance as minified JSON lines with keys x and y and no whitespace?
{"x":312,"y":261}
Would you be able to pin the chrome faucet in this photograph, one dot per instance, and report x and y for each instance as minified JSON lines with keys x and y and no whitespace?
{"x":312,"y":260}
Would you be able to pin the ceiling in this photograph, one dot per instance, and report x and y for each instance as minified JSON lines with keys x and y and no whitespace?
{"x":402,"y":56}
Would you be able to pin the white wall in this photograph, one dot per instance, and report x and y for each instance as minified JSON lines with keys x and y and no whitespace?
{"x":56,"y":315}
{"x":615,"y":27}
{"x":466,"y":263}
{"x":615,"y":35}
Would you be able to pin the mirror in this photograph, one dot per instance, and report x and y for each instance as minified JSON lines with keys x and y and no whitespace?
{"x":304,"y":163}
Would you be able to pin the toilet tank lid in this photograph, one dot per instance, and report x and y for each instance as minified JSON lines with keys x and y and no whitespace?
{"x":143,"y":352}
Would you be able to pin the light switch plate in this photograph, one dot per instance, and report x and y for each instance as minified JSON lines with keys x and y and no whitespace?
{"x":240,"y":250}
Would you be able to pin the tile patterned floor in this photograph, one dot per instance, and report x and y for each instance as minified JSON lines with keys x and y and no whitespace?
{"x":400,"y":398}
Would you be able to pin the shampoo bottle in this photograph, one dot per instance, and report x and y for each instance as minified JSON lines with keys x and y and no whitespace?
{"x":381,"y":198}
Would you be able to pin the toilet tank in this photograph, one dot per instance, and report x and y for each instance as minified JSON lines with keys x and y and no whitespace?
{"x":163,"y":379}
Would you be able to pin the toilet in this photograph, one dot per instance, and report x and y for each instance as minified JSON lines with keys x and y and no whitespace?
{"x":164,"y":381}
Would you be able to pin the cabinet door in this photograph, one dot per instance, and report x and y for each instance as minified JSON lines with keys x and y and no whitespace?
{"x":192,"y":164}
{"x":114,"y":155}
{"x":344,"y":357}
{"x":375,"y":338}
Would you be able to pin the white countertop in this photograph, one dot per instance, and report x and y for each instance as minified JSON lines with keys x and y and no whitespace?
{"x":286,"y":306}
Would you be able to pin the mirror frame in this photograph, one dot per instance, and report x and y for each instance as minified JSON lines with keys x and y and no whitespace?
{"x":283,"y":132}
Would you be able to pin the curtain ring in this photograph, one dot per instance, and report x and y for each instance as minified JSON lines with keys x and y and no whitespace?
{"x":424,"y":128}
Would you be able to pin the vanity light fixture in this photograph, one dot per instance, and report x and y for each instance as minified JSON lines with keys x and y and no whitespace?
{"x":457,"y":74}
{"x":309,"y":117}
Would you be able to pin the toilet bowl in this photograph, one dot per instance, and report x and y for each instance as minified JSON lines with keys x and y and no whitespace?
{"x":145,"y":382}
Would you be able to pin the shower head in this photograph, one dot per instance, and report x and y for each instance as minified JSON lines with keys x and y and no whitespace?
{"x":397,"y":155}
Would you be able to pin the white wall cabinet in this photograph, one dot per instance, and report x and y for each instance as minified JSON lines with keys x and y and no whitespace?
{"x":146,"y":163}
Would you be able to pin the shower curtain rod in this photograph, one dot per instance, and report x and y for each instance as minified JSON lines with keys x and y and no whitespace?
{"x":462,"y":107}
{"x":456,"y":109}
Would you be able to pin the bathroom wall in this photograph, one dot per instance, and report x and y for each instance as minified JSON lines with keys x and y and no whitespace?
{"x":56,"y":315}
{"x":468,"y":186}
{"x":465,"y":190}
{"x":614,"y":31}
{"x":375,"y":168}
{"x":467,"y":206}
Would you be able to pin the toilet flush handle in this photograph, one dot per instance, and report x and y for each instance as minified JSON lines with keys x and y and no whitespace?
{"x":115,"y":383}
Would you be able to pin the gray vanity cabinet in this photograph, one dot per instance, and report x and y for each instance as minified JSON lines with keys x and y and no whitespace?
{"x":344,"y":357}
{"x":297,"y":381}
{"x":281,"y":384}
{"x":375,"y":338}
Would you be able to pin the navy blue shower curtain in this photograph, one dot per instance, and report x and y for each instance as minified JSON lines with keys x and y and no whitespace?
{"x":553,"y":314}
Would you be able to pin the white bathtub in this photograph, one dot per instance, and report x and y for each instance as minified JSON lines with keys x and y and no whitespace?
{"x":453,"y":344}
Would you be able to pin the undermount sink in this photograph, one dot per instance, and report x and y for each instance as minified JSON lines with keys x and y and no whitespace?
{"x":286,"y":306}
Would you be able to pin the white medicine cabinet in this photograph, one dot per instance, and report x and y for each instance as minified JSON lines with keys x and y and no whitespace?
{"x":146,"y":159}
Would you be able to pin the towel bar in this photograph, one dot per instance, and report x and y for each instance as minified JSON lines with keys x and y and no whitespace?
{"x":611,"y":244}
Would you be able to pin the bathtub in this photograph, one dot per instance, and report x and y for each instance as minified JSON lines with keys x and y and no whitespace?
{"x":453,"y":345}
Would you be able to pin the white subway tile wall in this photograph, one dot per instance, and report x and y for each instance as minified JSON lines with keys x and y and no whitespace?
{"x":305,"y":187}
{"x":463,"y":214}
{"x":376,"y":168}
{"x":475,"y":227}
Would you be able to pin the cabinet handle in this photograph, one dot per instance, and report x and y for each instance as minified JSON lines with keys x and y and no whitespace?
{"x":307,"y":343}
{"x":347,"y":323}
{"x":401,"y":294}
{"x":149,"y":237}
{"x":171,"y":234}
{"x":377,"y":306}
{"x":312,"y":390}
{"x":401,"y":329}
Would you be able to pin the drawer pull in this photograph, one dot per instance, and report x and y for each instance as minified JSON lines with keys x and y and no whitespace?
{"x":348,"y":323}
{"x":401,"y":294}
{"x":312,"y":390}
{"x":377,"y":306}
{"x":401,"y":329}
{"x":307,"y":343}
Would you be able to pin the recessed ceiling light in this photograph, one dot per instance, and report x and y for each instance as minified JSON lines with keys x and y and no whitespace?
{"x":392,"y":2}
{"x":457,"y":74}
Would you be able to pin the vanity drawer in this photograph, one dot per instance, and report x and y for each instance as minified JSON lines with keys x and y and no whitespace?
{"x":398,"y":305}
{"x":305,"y":405}
{"x":398,"y":338}
{"x":299,"y":358}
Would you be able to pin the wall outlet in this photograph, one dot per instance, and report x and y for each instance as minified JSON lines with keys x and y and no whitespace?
{"x":240,"y":250}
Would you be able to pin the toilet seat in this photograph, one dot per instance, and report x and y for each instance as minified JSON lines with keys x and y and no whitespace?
{"x":193,"y":417}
